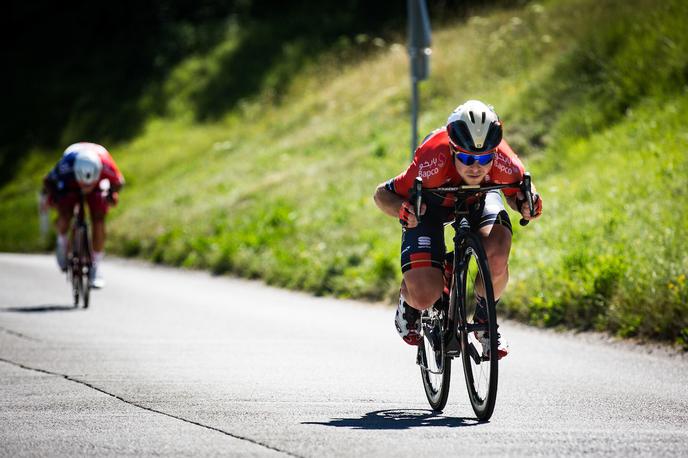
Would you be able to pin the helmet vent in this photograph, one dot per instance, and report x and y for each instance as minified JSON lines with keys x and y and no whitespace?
{"x":474,"y":127}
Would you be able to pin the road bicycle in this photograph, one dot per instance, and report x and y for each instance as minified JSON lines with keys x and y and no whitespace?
{"x":80,"y":256}
{"x":449,"y":329}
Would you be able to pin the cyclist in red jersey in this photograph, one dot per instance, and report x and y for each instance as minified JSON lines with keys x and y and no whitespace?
{"x":468,"y":150}
{"x":86,"y":167}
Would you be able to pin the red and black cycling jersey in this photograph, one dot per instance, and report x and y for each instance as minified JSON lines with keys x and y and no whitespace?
{"x":433,"y":161}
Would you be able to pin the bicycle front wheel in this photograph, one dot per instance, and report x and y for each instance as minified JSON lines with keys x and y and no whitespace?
{"x":435,"y":365}
{"x":478,"y":328}
{"x":86,"y":289}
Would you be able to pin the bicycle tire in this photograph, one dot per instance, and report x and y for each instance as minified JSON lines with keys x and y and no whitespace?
{"x":85,"y":266}
{"x":73,"y":271}
{"x":481,"y":374}
{"x":436,"y":385}
{"x":76,"y":287}
{"x":86,"y":294}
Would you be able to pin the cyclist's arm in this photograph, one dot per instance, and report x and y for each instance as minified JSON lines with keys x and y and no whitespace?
{"x":111,"y":172}
{"x":50,"y":181}
{"x":396,"y":205}
{"x":512,"y":170}
{"x":512,"y":201}
{"x":387,"y":201}
{"x":114,"y":177}
{"x":117,"y":179}
{"x":390,"y":195}
{"x":48,"y":186}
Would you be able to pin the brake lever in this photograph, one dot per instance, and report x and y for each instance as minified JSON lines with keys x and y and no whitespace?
{"x":417,"y":197}
{"x":525,"y":188}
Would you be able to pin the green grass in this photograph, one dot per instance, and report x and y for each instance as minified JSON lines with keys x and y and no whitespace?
{"x":609,"y":253}
{"x":593,"y":95}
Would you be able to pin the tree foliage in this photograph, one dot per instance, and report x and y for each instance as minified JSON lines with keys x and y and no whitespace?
{"x":79,"y":69}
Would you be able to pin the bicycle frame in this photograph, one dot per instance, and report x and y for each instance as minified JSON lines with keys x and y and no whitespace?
{"x":462,"y":231}
{"x":456,"y":323}
{"x":80,"y":259}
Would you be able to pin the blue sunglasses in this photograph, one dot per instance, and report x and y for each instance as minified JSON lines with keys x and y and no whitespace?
{"x":470,"y":159}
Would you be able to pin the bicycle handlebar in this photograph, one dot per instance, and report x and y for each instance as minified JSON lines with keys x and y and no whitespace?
{"x":523,"y":186}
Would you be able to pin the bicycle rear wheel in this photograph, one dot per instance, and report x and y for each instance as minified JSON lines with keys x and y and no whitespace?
{"x":478,"y":329}
{"x":76,"y":285}
{"x":85,"y":265}
{"x":435,"y":365}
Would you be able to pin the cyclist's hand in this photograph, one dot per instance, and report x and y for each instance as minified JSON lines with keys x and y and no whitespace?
{"x":407,"y":218}
{"x":525,"y":209}
{"x":113,"y":197}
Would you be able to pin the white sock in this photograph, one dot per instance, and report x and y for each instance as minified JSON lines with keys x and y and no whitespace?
{"x":98,"y":257}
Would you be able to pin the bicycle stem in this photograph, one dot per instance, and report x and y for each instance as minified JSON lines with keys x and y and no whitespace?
{"x":525,"y":187}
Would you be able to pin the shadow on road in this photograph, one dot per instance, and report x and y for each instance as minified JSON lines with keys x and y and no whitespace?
{"x":40,"y":309}
{"x":398,"y":419}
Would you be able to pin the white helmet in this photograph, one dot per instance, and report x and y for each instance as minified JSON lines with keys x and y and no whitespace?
{"x":87,"y":167}
{"x":83,"y":146}
{"x":474,"y":127}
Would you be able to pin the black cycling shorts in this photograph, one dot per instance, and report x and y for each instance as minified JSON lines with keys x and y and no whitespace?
{"x":423,"y":246}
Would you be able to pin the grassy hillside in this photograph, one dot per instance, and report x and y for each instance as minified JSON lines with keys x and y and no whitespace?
{"x":593,"y":95}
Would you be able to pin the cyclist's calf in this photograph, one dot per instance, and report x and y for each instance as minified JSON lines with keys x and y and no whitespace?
{"x":497,"y":246}
{"x":98,"y":232}
{"x":422,"y":287}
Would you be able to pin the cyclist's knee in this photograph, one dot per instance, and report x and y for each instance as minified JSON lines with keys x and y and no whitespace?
{"x":422,"y":298}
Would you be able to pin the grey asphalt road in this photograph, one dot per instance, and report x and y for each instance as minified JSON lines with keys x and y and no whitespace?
{"x":170,"y":362}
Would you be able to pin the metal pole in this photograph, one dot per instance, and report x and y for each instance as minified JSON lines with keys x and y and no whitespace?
{"x":414,"y":115}
{"x":419,"y":53}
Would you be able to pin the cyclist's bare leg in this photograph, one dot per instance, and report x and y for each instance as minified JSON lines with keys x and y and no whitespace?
{"x":497,"y":243}
{"x":422,"y":287}
{"x":64,"y":217}
{"x":98,"y":233}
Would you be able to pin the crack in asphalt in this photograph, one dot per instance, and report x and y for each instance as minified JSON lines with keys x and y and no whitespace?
{"x":149,"y":409}
{"x":19,"y":334}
